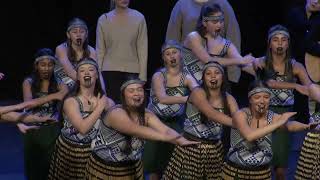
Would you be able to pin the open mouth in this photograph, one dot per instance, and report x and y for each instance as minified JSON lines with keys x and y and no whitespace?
{"x":279,"y":49}
{"x":136,"y":100}
{"x":213,"y":82}
{"x":261,"y":108}
{"x":87,"y":78}
{"x":173,"y":61}
{"x":79,"y":41}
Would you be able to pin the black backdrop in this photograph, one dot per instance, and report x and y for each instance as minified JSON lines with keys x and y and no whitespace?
{"x":30,"y":25}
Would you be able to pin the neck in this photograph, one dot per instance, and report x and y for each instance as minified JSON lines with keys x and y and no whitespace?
{"x":215,"y":93}
{"x":87,"y":92}
{"x":77,"y":48}
{"x":257,"y":115}
{"x":173,"y":70}
{"x":121,"y":10}
{"x":278,"y":59}
{"x":44,"y":85}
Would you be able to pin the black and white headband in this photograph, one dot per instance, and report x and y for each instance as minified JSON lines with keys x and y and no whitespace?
{"x":132,"y":81}
{"x":213,"y":18}
{"x":258,"y":90}
{"x":44,"y":57}
{"x":278,"y":32}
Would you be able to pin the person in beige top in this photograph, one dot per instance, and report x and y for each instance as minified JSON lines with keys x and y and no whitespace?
{"x":122,"y":46}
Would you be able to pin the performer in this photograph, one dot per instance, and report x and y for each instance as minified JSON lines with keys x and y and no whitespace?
{"x":70,"y":53}
{"x":308,"y":166}
{"x":82,"y":111}
{"x":281,"y":71}
{"x":207,"y":44}
{"x":250,"y":154}
{"x":170,"y":88}
{"x":119,"y":144}
{"x":41,"y":93}
{"x":208,"y":107}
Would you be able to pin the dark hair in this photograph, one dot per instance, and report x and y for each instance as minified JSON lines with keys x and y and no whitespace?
{"x":35,"y":84}
{"x":224,"y":90}
{"x":140,"y":110}
{"x":255,"y":84}
{"x":97,"y":89}
{"x":71,"y":53}
{"x":206,"y":10}
{"x":269,"y":71}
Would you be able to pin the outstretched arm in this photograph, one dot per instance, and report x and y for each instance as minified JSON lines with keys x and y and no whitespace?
{"x":251,"y":134}
{"x":198,"y":99}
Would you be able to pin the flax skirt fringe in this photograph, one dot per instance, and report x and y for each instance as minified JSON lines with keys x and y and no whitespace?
{"x":201,"y":161}
{"x":97,"y":169}
{"x":308,"y":167}
{"x":230,"y":172}
{"x":69,"y":160}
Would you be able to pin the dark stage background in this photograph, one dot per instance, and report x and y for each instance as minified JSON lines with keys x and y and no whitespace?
{"x":30,"y":25}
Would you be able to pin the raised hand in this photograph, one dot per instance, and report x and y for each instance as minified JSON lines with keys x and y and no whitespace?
{"x":312,"y":126}
{"x":286,"y":116}
{"x":185,"y":142}
{"x":247,"y":59}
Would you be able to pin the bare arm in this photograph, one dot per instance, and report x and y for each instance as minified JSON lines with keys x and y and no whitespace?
{"x":250,"y":134}
{"x":194,"y":42}
{"x":22,"y":117}
{"x":160,"y":92}
{"x":119,"y":120}
{"x":61,"y":54}
{"x":314,"y":92}
{"x":83,"y":125}
{"x":232,"y":103}
{"x":190,"y":82}
{"x":63,"y":90}
{"x":198,"y":98}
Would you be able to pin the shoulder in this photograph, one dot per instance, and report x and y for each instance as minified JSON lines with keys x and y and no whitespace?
{"x":103,"y":16}
{"x":157,"y":74}
{"x":136,"y":14}
{"x":240,"y":115}
{"x":230,"y":98}
{"x":194,"y":35}
{"x":70,"y":101}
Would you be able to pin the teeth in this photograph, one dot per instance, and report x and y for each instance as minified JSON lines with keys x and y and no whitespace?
{"x":79,"y":41}
{"x":87,"y":78}
{"x":214,"y":82}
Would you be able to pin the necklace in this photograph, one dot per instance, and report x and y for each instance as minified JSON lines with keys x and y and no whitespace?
{"x":89,"y":102}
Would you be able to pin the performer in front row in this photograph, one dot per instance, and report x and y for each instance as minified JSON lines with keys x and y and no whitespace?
{"x":118,"y":147}
{"x":82,"y":111}
{"x":250,"y":154}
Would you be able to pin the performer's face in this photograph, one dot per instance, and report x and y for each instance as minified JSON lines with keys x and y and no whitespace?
{"x":122,"y":3}
{"x":172,"y":57}
{"x":87,"y":75}
{"x":259,"y":102}
{"x":77,"y":35}
{"x":134,"y":95}
{"x":279,"y":44}
{"x":45,"y":68}
{"x":214,"y":27}
{"x":313,"y":5}
{"x":213,"y":78}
